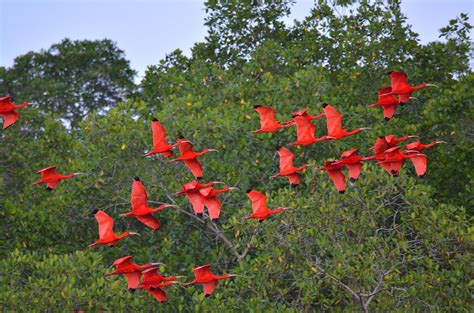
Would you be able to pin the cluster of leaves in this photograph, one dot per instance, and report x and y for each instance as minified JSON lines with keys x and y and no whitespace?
{"x":387,"y":244}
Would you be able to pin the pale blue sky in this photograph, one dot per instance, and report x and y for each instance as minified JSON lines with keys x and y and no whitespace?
{"x":149,"y":29}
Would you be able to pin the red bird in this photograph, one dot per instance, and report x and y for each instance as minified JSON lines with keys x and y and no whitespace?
{"x":159,"y":140}
{"x":140,"y":208}
{"x":106,"y":232}
{"x":305,"y":132}
{"x":203,"y":275}
{"x":401,"y":87}
{"x":334,"y":124}
{"x":306,"y":115}
{"x":419,"y":161}
{"x":353,"y":161}
{"x":387,"y":102}
{"x":386,"y":142}
{"x":211,"y":202}
{"x":131,"y":271}
{"x":153,"y":283}
{"x":51,"y":178}
{"x":260,"y":210}
{"x":334,"y":169}
{"x":393,"y":159}
{"x":268,"y":124}
{"x":189,"y":157}
{"x":191,"y":190}
{"x":287,"y":169}
{"x":7,"y":111}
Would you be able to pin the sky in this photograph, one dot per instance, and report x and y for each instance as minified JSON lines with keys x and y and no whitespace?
{"x":149,"y":29}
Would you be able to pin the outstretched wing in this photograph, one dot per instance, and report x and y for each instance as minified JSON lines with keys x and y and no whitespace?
{"x":304,"y":129}
{"x":354,"y":170}
{"x":214,"y":206}
{"x":419,"y":161}
{"x":380,"y":145}
{"x":286,"y":159}
{"x":123,"y":261}
{"x":294,"y":178}
{"x":333,"y":120}
{"x":45,"y":172}
{"x":267,"y":117}
{"x":258,"y":199}
{"x":389,"y":110}
{"x":202,"y":271}
{"x":139,"y":196}
{"x":106,"y":223}
{"x":159,"y":134}
{"x":158,"y":294}
{"x":338,"y":179}
{"x":194,"y":166}
{"x":185,"y":146}
{"x":196,"y":201}
{"x":53,"y":185}
{"x":133,"y":279}
{"x":149,"y":220}
{"x":9,"y":118}
{"x":209,"y":287}
{"x":398,"y":81}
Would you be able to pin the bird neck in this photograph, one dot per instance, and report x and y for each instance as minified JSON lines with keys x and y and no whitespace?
{"x":221,"y":277}
{"x":419,"y":87}
{"x":123,"y":235}
{"x":352,"y":132}
{"x":271,"y":212}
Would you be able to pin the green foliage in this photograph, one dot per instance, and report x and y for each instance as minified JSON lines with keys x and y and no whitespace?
{"x":388,"y":244}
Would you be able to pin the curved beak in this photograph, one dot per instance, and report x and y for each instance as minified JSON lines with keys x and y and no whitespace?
{"x":212,"y":150}
{"x":158,"y":264}
{"x":438,"y":142}
{"x":168,"y":206}
{"x":233,"y":188}
{"x":413,"y":136}
{"x":432,"y":85}
{"x":132,"y":233}
{"x":413,"y":98}
{"x":365,"y":128}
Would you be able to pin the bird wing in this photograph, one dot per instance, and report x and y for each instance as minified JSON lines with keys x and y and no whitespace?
{"x":149,"y":220}
{"x":286,"y":159}
{"x":202,"y":271}
{"x":4,"y":100}
{"x":398,"y":81}
{"x":185,"y":146}
{"x":159,"y":134}
{"x":380,"y":145}
{"x":53,"y":185}
{"x":348,"y":153}
{"x":167,"y":153}
{"x":106,"y":223}
{"x":267,"y":117}
{"x":333,"y":120}
{"x":294,"y":178}
{"x":338,"y":179}
{"x":413,"y":146}
{"x":139,"y":196}
{"x":214,"y":207}
{"x":382,"y":92}
{"x":133,"y":279}
{"x":354,"y":169}
{"x":158,"y":294}
{"x":389,"y":110}
{"x":304,"y":129}
{"x":258,"y":199}
{"x":194,"y":166}
{"x":419,"y":161}
{"x":123,"y":261}
{"x":9,"y":118}
{"x":210,"y":286}
{"x":196,"y":201}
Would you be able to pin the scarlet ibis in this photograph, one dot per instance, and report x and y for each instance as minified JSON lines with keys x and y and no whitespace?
{"x":387,"y":102}
{"x":211,"y":202}
{"x":353,"y":161}
{"x":334,"y":123}
{"x":268,"y":124}
{"x":419,"y":161}
{"x":305,"y":132}
{"x":51,"y":178}
{"x":401,"y":87}
{"x":153,"y":283}
{"x":334,"y":169}
{"x":304,"y":113}
{"x":260,"y":210}
{"x":131,"y":271}
{"x":8,"y":111}
{"x":203,"y":275}
{"x":385,"y":142}
{"x":191,"y":190}
{"x":107,"y":236}
{"x":189,"y":157}
{"x":140,"y":208}
{"x":287,"y":169}
{"x":393,"y":159}
{"x":160,"y":145}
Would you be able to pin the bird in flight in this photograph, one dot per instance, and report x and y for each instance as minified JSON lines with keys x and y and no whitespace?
{"x":160,"y":145}
{"x":191,"y":190}
{"x":401,"y":87}
{"x":334,"y":124}
{"x":154,"y":283}
{"x":209,"y":199}
{"x":51,"y":178}
{"x":189,"y":157}
{"x":305,"y":130}
{"x":107,"y":236}
{"x":334,"y":170}
{"x":203,"y":275}
{"x":8,"y":111}
{"x":268,"y":124}
{"x":287,"y":169}
{"x":260,"y":210}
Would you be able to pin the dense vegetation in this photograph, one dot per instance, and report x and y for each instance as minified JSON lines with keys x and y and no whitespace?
{"x":387,"y":244}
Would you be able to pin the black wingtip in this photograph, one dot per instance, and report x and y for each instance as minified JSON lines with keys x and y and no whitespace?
{"x":49,"y":189}
{"x":215,"y":220}
{"x":248,"y":190}
{"x":181,"y":136}
{"x":294,"y":186}
{"x":260,"y":221}
{"x":94,"y":212}
{"x":342,"y":191}
{"x":199,"y":215}
{"x":278,"y":148}
{"x":352,"y":180}
{"x":136,"y":178}
{"x":207,"y":296}
{"x":325,"y":104}
{"x":386,"y":119}
{"x":421,"y":176}
{"x":256,"y":106}
{"x":199,"y":178}
{"x":381,"y":137}
{"x":390,"y":73}
{"x":132,"y":290}
{"x":155,"y":119}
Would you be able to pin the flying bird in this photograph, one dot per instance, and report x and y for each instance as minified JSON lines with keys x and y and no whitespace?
{"x":393,"y":159}
{"x":418,"y":146}
{"x":387,"y":102}
{"x":268,"y":124}
{"x":140,"y":208}
{"x":304,"y":113}
{"x":153,"y":283}
{"x":334,"y":124}
{"x":191,"y":190}
{"x":8,"y":111}
{"x":210,"y":200}
{"x":353,"y":161}
{"x":334,"y":170}
{"x":203,"y":275}
{"x":51,"y":178}
{"x":160,"y":145}
{"x":107,"y":236}
{"x":305,"y":130}
{"x":260,"y":210}
{"x":401,"y":87}
{"x":287,"y":169}
{"x":420,"y":161}
{"x":189,"y":157}
{"x":131,"y":271}
{"x":383,"y":143}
